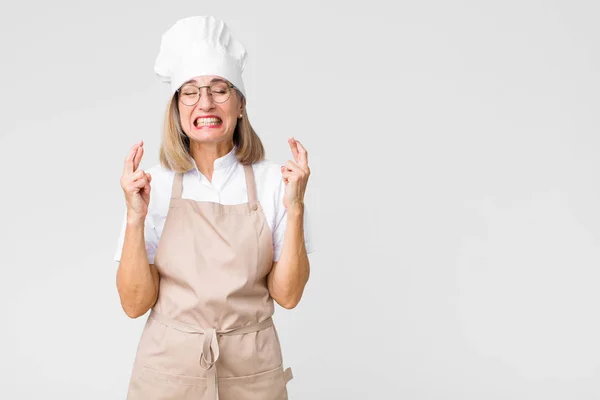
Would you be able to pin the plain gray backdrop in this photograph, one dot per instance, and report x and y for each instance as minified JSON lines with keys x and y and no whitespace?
{"x":454,"y":192}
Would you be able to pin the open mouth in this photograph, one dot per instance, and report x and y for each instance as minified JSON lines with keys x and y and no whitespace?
{"x":210,"y":122}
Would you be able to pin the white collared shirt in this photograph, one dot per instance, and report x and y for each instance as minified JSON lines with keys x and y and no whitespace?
{"x":228,"y":186}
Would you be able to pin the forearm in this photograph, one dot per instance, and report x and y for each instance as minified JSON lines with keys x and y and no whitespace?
{"x":290,"y":274}
{"x":137,"y":280}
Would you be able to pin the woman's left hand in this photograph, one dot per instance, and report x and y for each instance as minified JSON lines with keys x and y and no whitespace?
{"x":295,"y":175}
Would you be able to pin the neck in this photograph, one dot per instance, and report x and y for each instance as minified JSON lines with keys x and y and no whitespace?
{"x":205,"y":155}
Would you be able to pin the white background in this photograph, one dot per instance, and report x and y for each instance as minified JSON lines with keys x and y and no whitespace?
{"x":454,"y":195}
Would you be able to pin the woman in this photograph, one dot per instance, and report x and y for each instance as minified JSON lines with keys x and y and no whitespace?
{"x":212,"y":235}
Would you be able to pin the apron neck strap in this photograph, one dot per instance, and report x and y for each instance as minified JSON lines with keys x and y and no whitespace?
{"x":250,"y":183}
{"x":177,"y":186}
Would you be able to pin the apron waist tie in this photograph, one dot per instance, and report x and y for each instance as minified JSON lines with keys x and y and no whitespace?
{"x":210,"y":345}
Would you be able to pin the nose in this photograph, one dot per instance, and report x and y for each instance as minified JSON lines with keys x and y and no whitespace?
{"x":205,"y":102}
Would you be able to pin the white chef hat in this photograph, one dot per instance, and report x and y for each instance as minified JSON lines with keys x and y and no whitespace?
{"x":197,"y":46}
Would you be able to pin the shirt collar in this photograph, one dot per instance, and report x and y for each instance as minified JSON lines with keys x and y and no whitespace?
{"x":221,"y":163}
{"x":227,"y":160}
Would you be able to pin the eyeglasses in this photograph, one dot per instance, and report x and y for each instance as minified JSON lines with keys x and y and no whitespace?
{"x":218,"y":91}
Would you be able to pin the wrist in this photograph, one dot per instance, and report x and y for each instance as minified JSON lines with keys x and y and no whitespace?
{"x":296,"y":210}
{"x":135,"y":220}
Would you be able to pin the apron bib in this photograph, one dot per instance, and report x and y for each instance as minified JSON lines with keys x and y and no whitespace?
{"x":210,"y":335}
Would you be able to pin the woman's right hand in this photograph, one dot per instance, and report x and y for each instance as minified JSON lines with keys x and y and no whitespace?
{"x":136,"y":185}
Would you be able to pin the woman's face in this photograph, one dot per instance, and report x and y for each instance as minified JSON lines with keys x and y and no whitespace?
{"x":208,"y":120}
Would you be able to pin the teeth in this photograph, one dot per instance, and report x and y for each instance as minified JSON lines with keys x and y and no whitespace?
{"x":208,"y":121}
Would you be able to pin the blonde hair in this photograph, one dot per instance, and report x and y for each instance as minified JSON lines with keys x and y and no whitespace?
{"x":175,"y":146}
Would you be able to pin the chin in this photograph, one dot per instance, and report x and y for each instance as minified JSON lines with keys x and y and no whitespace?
{"x":208,"y":136}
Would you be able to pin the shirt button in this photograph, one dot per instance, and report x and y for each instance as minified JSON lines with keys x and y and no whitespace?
{"x":254,"y":207}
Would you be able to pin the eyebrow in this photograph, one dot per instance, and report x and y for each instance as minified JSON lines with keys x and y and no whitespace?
{"x":212,"y":81}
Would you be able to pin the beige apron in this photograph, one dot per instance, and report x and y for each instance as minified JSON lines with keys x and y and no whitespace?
{"x":210,"y":334}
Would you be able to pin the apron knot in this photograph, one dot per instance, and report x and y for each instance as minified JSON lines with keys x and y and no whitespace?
{"x":210,"y":349}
